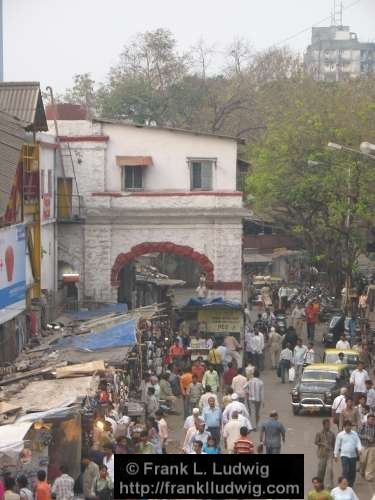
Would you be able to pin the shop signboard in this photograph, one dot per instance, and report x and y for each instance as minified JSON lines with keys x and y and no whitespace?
{"x":221,"y":320}
{"x":12,"y":271}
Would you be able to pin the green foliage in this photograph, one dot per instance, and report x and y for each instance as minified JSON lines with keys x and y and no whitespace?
{"x":303,"y":185}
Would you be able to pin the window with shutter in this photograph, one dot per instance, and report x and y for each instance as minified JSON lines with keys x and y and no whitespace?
{"x":201,"y":175}
{"x":133,"y":178}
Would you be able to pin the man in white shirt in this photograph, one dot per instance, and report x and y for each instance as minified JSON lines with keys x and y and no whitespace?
{"x":203,"y":402}
{"x":370,"y":396}
{"x":286,"y":359}
{"x":298,"y":316}
{"x":191,"y":419}
{"x":109,"y":461}
{"x":256,"y":349}
{"x":338,"y":406}
{"x":275,"y":341}
{"x":238,"y":384}
{"x":347,"y":447}
{"x":224,"y":355}
{"x":231,"y":432}
{"x":195,"y":433}
{"x":255,"y":395}
{"x":234,"y":406}
{"x":343,"y":344}
{"x":358,"y":380}
{"x":310,"y":354}
{"x":283,"y":298}
{"x":299,"y":354}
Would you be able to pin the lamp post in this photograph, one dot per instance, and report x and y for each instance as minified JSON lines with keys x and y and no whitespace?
{"x":348,"y":221}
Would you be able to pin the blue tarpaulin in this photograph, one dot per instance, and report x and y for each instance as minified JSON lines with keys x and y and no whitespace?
{"x":212,"y":303}
{"x":120,"y":335}
{"x":83,"y":315}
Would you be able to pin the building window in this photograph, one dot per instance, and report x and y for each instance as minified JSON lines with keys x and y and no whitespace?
{"x":133,"y":178}
{"x":201,"y":173}
{"x":50,"y":187}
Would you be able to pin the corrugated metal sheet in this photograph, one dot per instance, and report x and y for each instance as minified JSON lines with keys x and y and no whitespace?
{"x":12,"y":136}
{"x":24,"y":101}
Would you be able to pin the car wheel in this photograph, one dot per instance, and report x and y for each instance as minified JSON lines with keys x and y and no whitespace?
{"x":295,"y":410}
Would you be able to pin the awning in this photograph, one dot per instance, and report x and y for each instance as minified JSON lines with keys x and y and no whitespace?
{"x":11,"y":439}
{"x":134,"y":161}
{"x":120,"y":335}
{"x":256,"y":258}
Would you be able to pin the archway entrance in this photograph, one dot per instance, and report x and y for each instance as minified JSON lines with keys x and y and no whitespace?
{"x":144,"y":275}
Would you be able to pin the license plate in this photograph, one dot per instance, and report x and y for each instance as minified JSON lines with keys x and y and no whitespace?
{"x":313,"y":409}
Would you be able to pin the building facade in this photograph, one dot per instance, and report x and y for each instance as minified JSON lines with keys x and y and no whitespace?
{"x":139,"y":190}
{"x":335,"y":54}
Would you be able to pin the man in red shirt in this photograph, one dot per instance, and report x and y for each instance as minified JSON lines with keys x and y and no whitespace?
{"x":229,"y":375}
{"x":42,"y":489}
{"x":311,"y":313}
{"x":176,"y":352}
{"x":244,"y":445}
{"x":198,"y":370}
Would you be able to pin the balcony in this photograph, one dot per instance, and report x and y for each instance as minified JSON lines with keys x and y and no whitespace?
{"x":70,"y":208}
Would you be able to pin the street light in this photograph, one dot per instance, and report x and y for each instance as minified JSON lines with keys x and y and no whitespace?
{"x":365,"y":149}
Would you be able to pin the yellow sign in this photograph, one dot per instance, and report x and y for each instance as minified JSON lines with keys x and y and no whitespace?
{"x":221,"y":320}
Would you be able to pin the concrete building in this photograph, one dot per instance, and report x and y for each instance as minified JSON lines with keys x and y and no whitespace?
{"x":335,"y":54}
{"x":27,"y":222}
{"x":138,"y":190}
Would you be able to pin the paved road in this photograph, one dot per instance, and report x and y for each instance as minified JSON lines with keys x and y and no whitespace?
{"x":301,"y":429}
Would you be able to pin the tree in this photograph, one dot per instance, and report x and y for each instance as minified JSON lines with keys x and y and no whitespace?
{"x":83,"y":92}
{"x":311,"y":200}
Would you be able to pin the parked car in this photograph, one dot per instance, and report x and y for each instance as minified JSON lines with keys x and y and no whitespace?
{"x":351,"y":357}
{"x":319,"y":385}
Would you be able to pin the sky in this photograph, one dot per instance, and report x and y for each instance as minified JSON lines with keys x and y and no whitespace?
{"x":52,"y":40}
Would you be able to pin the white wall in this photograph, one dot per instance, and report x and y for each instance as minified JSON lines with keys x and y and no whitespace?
{"x":48,"y":257}
{"x":169,"y":151}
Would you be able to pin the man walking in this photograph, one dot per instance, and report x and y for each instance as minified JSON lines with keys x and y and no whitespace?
{"x":311,"y":313}
{"x":325,"y":441}
{"x":194,"y":393}
{"x":272,"y":432}
{"x":212,"y":418}
{"x":299,"y":355}
{"x":283,"y":297}
{"x":286,"y":358}
{"x":185,"y":381}
{"x":63,"y":487}
{"x":298,"y":316}
{"x":211,"y":378}
{"x":348,"y":447}
{"x":255,"y":394}
{"x":274,"y":341}
{"x":238,"y":385}
{"x":367,"y":437}
{"x":370,"y":396}
{"x":231,"y":432}
{"x":338,"y":406}
{"x":256,"y":349}
{"x":358,"y":380}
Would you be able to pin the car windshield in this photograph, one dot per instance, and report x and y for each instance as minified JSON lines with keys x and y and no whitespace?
{"x":319,"y":375}
{"x":349,"y":359}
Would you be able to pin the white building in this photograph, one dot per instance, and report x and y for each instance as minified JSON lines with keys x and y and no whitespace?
{"x":335,"y":53}
{"x":148,"y":190}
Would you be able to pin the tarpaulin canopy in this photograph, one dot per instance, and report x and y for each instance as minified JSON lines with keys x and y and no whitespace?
{"x":119,"y":335}
{"x":11,"y":438}
{"x":103,"y":310}
{"x":218,"y":302}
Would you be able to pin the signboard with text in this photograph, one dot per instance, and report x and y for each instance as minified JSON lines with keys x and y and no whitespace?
{"x":12,"y":271}
{"x":221,"y":320}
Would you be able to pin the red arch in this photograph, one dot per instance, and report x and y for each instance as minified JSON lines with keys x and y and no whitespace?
{"x":162,"y":247}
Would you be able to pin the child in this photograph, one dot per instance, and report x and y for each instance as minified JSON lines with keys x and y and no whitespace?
{"x":211,"y":447}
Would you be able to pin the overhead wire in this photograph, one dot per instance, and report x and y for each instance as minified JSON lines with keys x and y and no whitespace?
{"x":282,"y":42}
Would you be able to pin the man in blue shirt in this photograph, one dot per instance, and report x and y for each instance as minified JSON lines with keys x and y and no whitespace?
{"x":348,"y":447}
{"x":212,"y":417}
